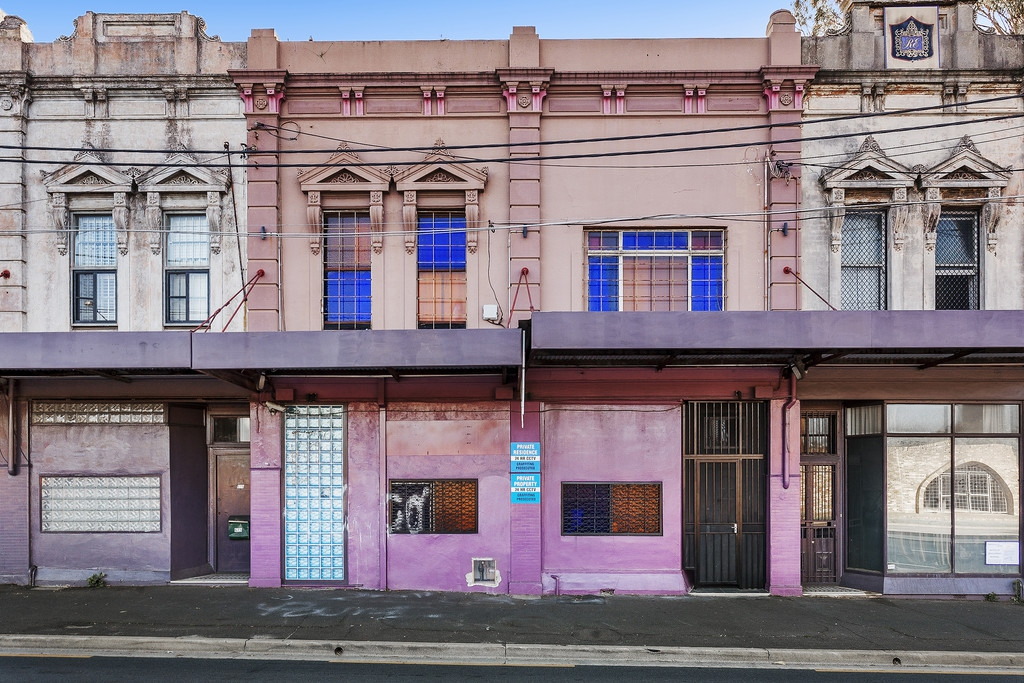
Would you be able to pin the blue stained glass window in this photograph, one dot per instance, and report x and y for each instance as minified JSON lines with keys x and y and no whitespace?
{"x":707,"y":287}
{"x":603,"y":283}
{"x":347,"y":297}
{"x":441,"y":241}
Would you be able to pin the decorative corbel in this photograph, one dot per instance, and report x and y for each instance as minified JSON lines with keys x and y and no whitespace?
{"x":315,"y":219}
{"x":899,"y":212}
{"x":836,"y":216}
{"x":213,"y":215}
{"x":409,"y":219}
{"x":120,"y":216}
{"x":377,"y":221}
{"x":539,"y":92}
{"x":61,"y":220}
{"x":931,"y":210}
{"x":154,"y":221}
{"x":606,"y":99}
{"x":472,"y":219}
{"x":427,"y":97}
{"x":439,"y":96}
{"x":509,"y":93}
{"x":991,"y":213}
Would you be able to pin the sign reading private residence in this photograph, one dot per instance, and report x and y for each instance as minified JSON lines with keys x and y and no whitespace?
{"x":911,"y":39}
{"x":525,"y":457}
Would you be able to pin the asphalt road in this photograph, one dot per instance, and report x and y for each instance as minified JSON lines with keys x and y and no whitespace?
{"x":45,"y":669}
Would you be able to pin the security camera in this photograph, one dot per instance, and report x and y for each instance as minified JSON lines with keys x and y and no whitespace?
{"x":274,"y":407}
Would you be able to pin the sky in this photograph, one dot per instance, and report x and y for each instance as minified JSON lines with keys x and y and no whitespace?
{"x":428,"y":19}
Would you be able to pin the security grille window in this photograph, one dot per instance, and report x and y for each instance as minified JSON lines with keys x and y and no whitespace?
{"x":441,"y":264}
{"x":817,"y":433}
{"x":433,"y":506}
{"x":188,"y":269}
{"x":956,"y":261}
{"x":725,"y":428}
{"x":632,"y":509}
{"x":656,"y":270}
{"x":346,"y":270}
{"x":94,"y":277}
{"x":863,"y":263}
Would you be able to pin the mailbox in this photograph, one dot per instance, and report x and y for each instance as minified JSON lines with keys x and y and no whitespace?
{"x":238,"y":527}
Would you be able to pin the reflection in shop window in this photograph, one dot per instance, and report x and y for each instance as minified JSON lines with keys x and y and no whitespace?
{"x":952,"y":489}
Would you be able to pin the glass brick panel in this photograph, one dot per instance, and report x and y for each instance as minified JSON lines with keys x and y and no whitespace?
{"x":314,"y":492}
{"x":100,"y":504}
{"x":87,"y":412}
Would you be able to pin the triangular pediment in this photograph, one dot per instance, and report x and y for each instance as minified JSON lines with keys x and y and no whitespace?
{"x":181,"y":172}
{"x":440,"y":171}
{"x":869,"y":168}
{"x":88,"y":173}
{"x":966,"y":167}
{"x":344,"y":172}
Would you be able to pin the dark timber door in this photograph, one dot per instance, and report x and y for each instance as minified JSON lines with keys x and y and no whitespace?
{"x":724,"y":512}
{"x":232,"y":487}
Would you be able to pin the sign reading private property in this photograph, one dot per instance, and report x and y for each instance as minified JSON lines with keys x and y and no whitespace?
{"x":526,"y":488}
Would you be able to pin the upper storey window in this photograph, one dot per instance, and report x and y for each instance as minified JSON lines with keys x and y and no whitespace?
{"x":94,"y":270}
{"x":656,"y":270}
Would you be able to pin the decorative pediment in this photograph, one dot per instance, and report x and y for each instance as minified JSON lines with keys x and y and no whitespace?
{"x":868,"y":169}
{"x":966,"y":168}
{"x":439,"y":171}
{"x":182,"y":173}
{"x":88,"y":173}
{"x":344,"y":172}
{"x":181,"y":183}
{"x":88,"y":184}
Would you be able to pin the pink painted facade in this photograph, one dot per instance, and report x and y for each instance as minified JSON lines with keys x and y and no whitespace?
{"x":614,"y":425}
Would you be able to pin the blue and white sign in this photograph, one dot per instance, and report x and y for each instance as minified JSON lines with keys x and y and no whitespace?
{"x":526,"y":488}
{"x":525,"y":457}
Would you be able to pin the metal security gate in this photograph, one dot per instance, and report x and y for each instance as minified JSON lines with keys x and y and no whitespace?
{"x":819,"y":542}
{"x":724,"y":526}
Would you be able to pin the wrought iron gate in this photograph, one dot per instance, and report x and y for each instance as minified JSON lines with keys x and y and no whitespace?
{"x":818,"y":470}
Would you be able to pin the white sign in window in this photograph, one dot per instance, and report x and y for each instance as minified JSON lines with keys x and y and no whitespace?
{"x":1002,"y":552}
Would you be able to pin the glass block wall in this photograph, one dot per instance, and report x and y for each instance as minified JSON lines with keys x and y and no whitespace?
{"x":314,"y":490}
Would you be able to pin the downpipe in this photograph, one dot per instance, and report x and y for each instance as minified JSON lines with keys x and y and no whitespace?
{"x":785,"y":428}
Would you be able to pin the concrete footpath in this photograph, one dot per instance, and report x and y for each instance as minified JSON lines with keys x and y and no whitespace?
{"x":355,"y":625}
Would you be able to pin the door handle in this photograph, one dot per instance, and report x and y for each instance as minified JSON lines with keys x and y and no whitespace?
{"x":735,"y":528}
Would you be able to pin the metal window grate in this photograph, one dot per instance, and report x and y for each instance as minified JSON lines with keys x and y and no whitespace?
{"x":956,"y":261}
{"x":441,"y":264}
{"x":863,"y":262}
{"x":611,"y":508}
{"x":347,"y":275}
{"x":433,"y":506}
{"x":818,"y":433}
{"x":726,"y":428}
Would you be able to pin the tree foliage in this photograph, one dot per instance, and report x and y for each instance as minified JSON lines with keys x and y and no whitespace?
{"x":817,"y":17}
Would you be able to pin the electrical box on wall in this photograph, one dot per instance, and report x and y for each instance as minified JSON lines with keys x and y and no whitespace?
{"x":490,"y":313}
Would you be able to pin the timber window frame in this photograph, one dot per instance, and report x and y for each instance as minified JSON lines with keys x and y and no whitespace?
{"x":656,"y":270}
{"x":94,"y":270}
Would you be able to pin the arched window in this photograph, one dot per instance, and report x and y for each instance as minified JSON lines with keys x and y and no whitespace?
{"x":972,"y":488}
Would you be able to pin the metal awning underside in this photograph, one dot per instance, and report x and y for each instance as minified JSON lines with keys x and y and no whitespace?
{"x":356,"y":352}
{"x":746,"y":338}
{"x":753,"y":338}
